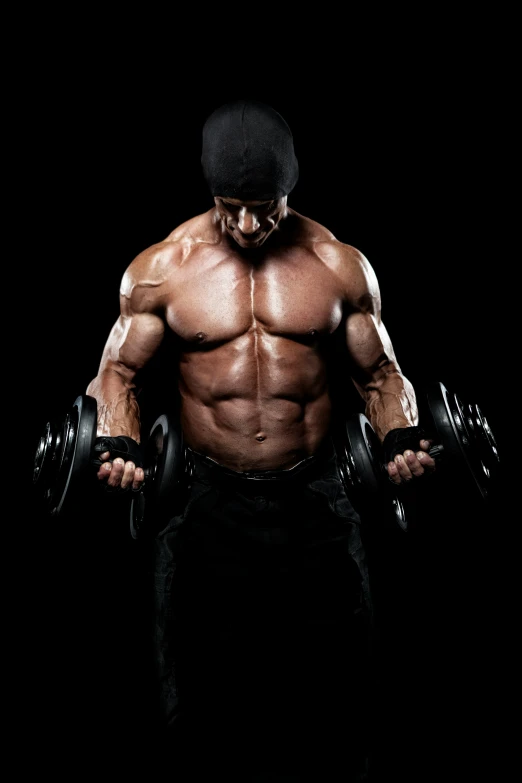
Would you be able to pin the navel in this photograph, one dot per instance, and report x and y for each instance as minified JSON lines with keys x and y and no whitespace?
{"x":260,"y":437}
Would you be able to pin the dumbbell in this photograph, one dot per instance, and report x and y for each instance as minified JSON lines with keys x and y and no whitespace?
{"x":463,"y":447}
{"x":65,"y":452}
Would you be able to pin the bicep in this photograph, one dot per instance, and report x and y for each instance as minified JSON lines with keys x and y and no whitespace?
{"x":389,"y":396}
{"x":369,"y":345}
{"x":133,"y":341}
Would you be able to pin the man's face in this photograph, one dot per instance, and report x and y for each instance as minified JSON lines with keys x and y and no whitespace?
{"x":249,"y":223}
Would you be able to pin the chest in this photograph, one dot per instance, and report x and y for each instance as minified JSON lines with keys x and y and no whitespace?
{"x":286,"y":296}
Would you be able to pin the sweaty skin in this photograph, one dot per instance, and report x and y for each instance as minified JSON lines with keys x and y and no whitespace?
{"x":254,"y":293}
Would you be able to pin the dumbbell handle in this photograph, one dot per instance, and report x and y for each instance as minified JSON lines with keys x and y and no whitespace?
{"x":436,"y":451}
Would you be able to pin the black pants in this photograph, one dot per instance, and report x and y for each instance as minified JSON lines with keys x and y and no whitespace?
{"x":264,"y":624}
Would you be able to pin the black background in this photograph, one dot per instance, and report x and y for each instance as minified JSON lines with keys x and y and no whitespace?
{"x":410,"y":166}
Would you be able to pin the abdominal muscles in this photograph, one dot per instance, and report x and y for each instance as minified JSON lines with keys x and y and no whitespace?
{"x":259,"y":401}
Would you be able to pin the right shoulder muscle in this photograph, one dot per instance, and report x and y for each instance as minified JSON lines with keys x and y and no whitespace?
{"x":144,"y":282}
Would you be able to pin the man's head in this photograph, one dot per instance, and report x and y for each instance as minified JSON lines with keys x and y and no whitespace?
{"x":250,"y":222}
{"x":250,"y":166}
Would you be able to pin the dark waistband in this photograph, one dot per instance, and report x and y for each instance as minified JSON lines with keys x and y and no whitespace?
{"x":203,"y":466}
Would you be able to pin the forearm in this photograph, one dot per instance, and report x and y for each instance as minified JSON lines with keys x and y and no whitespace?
{"x":118,"y":409}
{"x":390,"y":400}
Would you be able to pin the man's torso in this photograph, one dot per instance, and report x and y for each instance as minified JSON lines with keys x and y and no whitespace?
{"x":254,"y":334}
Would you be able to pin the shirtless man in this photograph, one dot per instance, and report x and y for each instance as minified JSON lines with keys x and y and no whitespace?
{"x":255,"y":294}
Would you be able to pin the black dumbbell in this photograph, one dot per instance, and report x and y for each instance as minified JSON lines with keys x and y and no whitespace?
{"x":65,"y":451}
{"x":463,"y":445}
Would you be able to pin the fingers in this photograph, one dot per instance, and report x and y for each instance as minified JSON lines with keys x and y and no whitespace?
{"x":139,"y":478}
{"x":120,"y":475}
{"x":409,"y":465}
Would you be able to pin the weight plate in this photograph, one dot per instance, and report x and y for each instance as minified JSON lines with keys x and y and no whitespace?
{"x":363,"y":445}
{"x":77,"y":440}
{"x":163,"y":459}
{"x":43,"y":459}
{"x":163,"y":466}
{"x":364,"y":467}
{"x":459,"y":451}
{"x":485,"y":440}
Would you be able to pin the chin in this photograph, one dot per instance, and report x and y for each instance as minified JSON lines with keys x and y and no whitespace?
{"x":248,"y":243}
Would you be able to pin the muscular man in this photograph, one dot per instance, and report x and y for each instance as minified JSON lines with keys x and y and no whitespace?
{"x":263,"y":606}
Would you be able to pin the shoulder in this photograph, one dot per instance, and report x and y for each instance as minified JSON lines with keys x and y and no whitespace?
{"x":158,"y":264}
{"x":347,"y":263}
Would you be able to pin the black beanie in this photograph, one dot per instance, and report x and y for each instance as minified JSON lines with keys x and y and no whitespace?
{"x":248,"y":152}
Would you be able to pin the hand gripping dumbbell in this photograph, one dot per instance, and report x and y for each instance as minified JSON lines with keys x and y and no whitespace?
{"x":65,"y":452}
{"x":463,"y":446}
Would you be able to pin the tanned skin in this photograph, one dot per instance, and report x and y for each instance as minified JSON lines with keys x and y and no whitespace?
{"x":253,"y":292}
